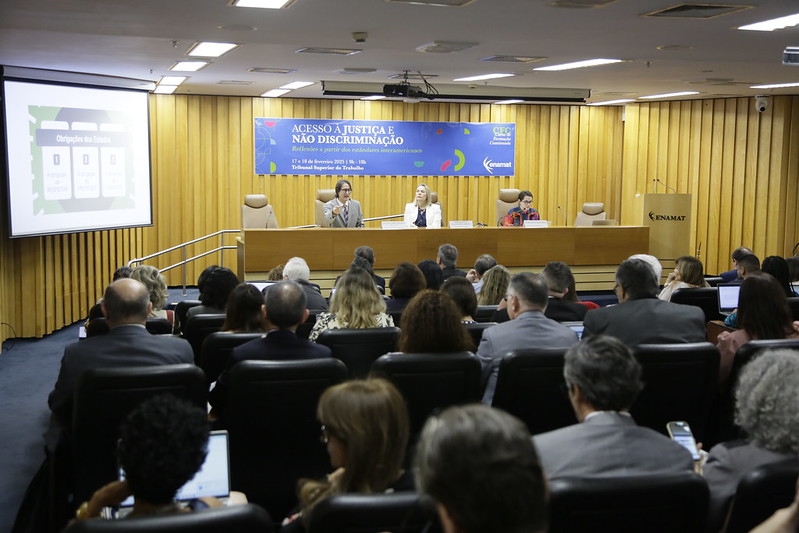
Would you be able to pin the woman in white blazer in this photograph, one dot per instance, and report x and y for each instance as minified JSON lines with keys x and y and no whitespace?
{"x":421,"y":213}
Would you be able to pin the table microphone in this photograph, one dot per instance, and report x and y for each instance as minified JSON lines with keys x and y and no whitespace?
{"x":565,"y":219}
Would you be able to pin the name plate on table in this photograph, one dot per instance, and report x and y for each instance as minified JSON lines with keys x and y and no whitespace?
{"x":536,"y":223}
{"x":393,"y":224}
{"x":461,"y":224}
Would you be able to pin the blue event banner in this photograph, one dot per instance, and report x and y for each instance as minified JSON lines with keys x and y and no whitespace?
{"x":383,"y":148}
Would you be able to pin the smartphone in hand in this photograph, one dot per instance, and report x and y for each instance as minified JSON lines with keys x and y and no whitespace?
{"x":680,"y":431}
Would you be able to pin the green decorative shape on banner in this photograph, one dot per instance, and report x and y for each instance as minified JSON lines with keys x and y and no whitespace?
{"x":461,"y":160}
{"x":272,"y":167}
{"x":467,"y":131}
{"x":418,"y":164}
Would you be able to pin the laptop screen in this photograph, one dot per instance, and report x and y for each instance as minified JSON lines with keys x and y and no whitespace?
{"x":213,"y":478}
{"x":728,"y":297}
{"x":575,"y":326}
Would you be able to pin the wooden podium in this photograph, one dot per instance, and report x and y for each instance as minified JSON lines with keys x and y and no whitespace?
{"x":668,"y":217}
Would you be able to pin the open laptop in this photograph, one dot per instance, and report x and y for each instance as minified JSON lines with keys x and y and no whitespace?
{"x":575,"y":326}
{"x":728,"y":297}
{"x":213,"y":478}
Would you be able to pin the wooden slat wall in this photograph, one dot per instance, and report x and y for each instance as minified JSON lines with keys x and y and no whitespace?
{"x":741,"y":166}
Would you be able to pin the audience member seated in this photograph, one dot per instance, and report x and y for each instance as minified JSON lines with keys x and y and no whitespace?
{"x":603,"y":379}
{"x":276,"y":274}
{"x":748,"y":265}
{"x":432,"y":324}
{"x":365,"y":428}
{"x":571,"y":295}
{"x":481,"y":266}
{"x":432,"y":274}
{"x":356,"y":304}
{"x":640,"y":317}
{"x":732,"y":275}
{"x":284,"y":310}
{"x":126,"y":304}
{"x":406,"y":281}
{"x":526,"y":300}
{"x":156,"y":285}
{"x":765,"y":401}
{"x":462,"y":293}
{"x":778,"y":268}
{"x":653,"y":262}
{"x":215,"y":285}
{"x":687,"y":274}
{"x":96,"y":310}
{"x":447,"y":259}
{"x":558,"y":277}
{"x":244,"y":312}
{"x":296,"y":269}
{"x":763,"y":313}
{"x":793,"y":272}
{"x":162,"y":445}
{"x":480,"y":468}
{"x":369,"y":254}
{"x":495,"y":285}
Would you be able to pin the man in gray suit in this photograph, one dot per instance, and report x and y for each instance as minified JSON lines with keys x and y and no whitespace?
{"x":640,"y":317}
{"x":342,"y":211}
{"x":603,"y":379}
{"x":528,"y":327}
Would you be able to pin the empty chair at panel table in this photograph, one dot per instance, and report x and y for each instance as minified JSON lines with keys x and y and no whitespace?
{"x":257,"y":212}
{"x":706,"y":298}
{"x":530,"y":386}
{"x":198,"y":327}
{"x":680,"y":382}
{"x":373,"y":513}
{"x":654,"y":503}
{"x":247,"y":518}
{"x":359,"y":348}
{"x":431,"y":381}
{"x":274,"y":433}
{"x":216,"y":349}
{"x":476,"y":331}
{"x":103,"y":398}
{"x":761,"y":492}
{"x":590,"y":213}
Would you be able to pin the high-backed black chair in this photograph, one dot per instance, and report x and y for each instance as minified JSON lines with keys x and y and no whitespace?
{"x":629,"y":504}
{"x":103,"y":398}
{"x":431,"y":381}
{"x":359,"y":348}
{"x":793,"y":303}
{"x":530,"y":386}
{"x":706,"y":298}
{"x":372,"y":513}
{"x":680,"y":382}
{"x":198,"y":327}
{"x":761,"y":492}
{"x":181,"y":308}
{"x":713,"y":280}
{"x":396,"y":316}
{"x":216,"y":348}
{"x":156,"y":326}
{"x":274,"y":433}
{"x":484,"y":313}
{"x":304,"y":329}
{"x":476,"y":331}
{"x":247,"y":518}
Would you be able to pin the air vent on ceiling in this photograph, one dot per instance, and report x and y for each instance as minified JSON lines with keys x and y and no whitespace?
{"x":412,"y":76}
{"x":513,"y":59}
{"x":442,"y":3}
{"x":269,"y":70}
{"x":729,"y":82}
{"x":330,"y":51}
{"x":580,"y":3}
{"x":697,"y":11}
{"x":357,"y":70}
{"x":445,"y":47}
{"x":234,"y":82}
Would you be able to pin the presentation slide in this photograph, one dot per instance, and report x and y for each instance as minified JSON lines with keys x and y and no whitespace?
{"x":78,"y":158}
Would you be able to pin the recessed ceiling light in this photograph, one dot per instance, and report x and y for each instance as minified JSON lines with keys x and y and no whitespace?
{"x":613,"y":102}
{"x":482,"y":77}
{"x":373,"y":97}
{"x":504,"y":102}
{"x":357,"y":70}
{"x":775,"y":86}
{"x":580,"y":64}
{"x":668,"y":95}
{"x":513,"y":59}
{"x":165,"y":89}
{"x":296,"y":85}
{"x":331,"y":51}
{"x":675,"y":47}
{"x":237,"y":27}
{"x":263,"y":4}
{"x":270,"y":70}
{"x":274,"y":93}
{"x":773,"y":24}
{"x":171,"y":80}
{"x":189,"y":66}
{"x":235,"y":82}
{"x":210,"y":49}
{"x":442,"y":3}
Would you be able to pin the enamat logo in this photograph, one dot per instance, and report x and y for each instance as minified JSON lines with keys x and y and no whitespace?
{"x":489,"y":165}
{"x":655,"y":217}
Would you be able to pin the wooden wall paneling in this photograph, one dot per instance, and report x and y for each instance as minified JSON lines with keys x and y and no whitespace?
{"x":714,"y":183}
{"x":57,"y":303}
{"x":791,"y":229}
{"x":777,"y":184}
{"x":764,"y":148}
{"x":736,"y":183}
{"x":727,"y":175}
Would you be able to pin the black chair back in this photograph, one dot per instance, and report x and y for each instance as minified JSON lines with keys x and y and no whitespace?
{"x":431,"y":381}
{"x":484,"y":313}
{"x":476,"y":331}
{"x":761,"y":492}
{"x":181,"y":308}
{"x":530,"y":386}
{"x":304,"y":329}
{"x":706,"y":298}
{"x":680,"y":381}
{"x":713,"y":280}
{"x":215,"y":352}
{"x":793,"y":304}
{"x":198,"y":327}
{"x":247,"y":518}
{"x":396,"y":316}
{"x":372,"y":513}
{"x":103,"y":398}
{"x":629,"y":504}
{"x":156,"y":326}
{"x":274,"y":433}
{"x":359,"y":348}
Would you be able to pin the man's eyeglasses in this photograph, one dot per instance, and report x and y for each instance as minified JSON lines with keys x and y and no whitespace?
{"x":346,"y":190}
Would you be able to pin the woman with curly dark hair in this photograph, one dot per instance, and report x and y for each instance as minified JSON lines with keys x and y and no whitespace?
{"x":432,"y":323}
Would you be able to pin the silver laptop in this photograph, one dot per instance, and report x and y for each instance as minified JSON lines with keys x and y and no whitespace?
{"x":728,"y":297}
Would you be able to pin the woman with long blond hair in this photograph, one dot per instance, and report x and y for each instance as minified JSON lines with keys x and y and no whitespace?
{"x":355,"y":304}
{"x":687,"y":274}
{"x":495,"y":285}
{"x":422,"y":212}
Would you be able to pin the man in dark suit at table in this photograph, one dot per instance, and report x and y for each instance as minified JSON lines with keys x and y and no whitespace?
{"x":447,"y":259}
{"x":640,"y":317}
{"x":342,"y":211}
{"x":285,"y":309}
{"x":603,"y":379}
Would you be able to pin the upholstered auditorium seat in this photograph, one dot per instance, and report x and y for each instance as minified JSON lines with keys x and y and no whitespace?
{"x":373,"y":513}
{"x":198,"y":327}
{"x":590,"y":212}
{"x":761,"y":492}
{"x":103,"y":398}
{"x":216,"y":349}
{"x":706,"y":298}
{"x":304,"y":329}
{"x":530,"y":386}
{"x":181,"y":308}
{"x":484,"y":313}
{"x":274,"y":433}
{"x":507,"y":200}
{"x":156,"y":326}
{"x":359,"y":348}
{"x":476,"y":331}
{"x":257,"y":212}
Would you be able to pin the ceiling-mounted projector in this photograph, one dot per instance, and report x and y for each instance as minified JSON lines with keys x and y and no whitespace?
{"x":404,"y":90}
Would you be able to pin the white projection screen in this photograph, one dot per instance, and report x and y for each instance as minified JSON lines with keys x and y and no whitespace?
{"x":78,"y":157}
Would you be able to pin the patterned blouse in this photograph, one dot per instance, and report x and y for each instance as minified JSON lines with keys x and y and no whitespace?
{"x":326,"y":321}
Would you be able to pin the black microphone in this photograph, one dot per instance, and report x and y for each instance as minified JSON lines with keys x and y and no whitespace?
{"x":565,"y":219}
